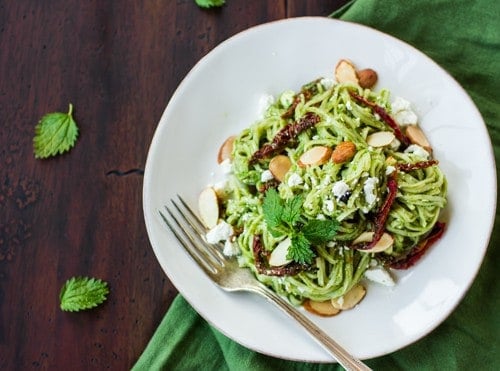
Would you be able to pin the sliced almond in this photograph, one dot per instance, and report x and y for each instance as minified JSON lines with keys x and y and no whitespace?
{"x":343,"y":152}
{"x":315,"y":156}
{"x":208,"y":206}
{"x":367,"y":78}
{"x":383,"y":244}
{"x":345,"y":72}
{"x":321,"y":308}
{"x":417,"y":136}
{"x":380,"y":138}
{"x":279,"y":166}
{"x":226,"y":149}
{"x":350,"y":298}
{"x":278,"y":256}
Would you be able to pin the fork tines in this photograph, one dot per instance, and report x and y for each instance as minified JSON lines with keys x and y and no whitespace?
{"x":190,"y":232}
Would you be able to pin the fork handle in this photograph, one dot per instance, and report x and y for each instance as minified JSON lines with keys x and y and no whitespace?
{"x":333,"y":348}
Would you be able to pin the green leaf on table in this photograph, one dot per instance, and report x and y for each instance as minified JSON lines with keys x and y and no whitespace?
{"x":79,"y":293}
{"x":210,"y":3}
{"x":55,"y":134}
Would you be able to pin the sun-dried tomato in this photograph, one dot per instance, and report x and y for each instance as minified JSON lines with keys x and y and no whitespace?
{"x":382,"y":214}
{"x":384,"y":115}
{"x":285,"y":136}
{"x":261,"y":258}
{"x":419,"y":250}
{"x":416,"y":166}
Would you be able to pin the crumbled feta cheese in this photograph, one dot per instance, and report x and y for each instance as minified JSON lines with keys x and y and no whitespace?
{"x":400,"y":104}
{"x":265,"y":102}
{"x":369,"y":190}
{"x":418,"y":151}
{"x":340,"y":188}
{"x":329,"y":207}
{"x":406,"y":117}
{"x":348,"y":106}
{"x":225,"y":166}
{"x":389,"y":170}
{"x":266,"y":176}
{"x":287,"y":97}
{"x":231,"y":248}
{"x":294,"y":180}
{"x":320,"y":217}
{"x":402,"y":112}
{"x":221,"y":232}
{"x":327,"y":82}
{"x":379,"y":275}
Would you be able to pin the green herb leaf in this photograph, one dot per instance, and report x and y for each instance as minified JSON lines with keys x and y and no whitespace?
{"x":320,"y":231}
{"x":300,"y":249}
{"x":55,"y":134}
{"x":79,"y":293}
{"x":292,"y":210}
{"x":210,"y":3}
{"x":272,"y":208}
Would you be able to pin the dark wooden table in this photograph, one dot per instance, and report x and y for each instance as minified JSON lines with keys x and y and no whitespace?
{"x":118,"y":63}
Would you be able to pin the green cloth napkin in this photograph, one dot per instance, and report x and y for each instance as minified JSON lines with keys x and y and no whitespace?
{"x":464,"y":38}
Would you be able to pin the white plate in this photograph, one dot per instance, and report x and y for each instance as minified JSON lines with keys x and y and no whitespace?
{"x":220,"y":96}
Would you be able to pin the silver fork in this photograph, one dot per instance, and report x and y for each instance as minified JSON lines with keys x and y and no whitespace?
{"x":226,"y":273}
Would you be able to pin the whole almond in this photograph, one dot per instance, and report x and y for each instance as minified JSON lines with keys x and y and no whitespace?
{"x":367,"y":78}
{"x":321,"y":308}
{"x":226,"y":149}
{"x":279,"y":166}
{"x":343,"y":152}
{"x":345,"y":72}
{"x":315,"y":156}
{"x":417,"y":136}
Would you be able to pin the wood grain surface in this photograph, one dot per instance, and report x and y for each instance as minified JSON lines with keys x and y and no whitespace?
{"x":118,"y":63}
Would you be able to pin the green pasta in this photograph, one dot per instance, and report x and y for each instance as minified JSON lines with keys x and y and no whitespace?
{"x":337,"y":267}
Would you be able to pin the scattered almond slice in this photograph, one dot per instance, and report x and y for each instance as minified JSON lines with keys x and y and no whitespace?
{"x":321,"y":308}
{"x":226,"y":149}
{"x":383,"y":244}
{"x":417,"y":136}
{"x":380,"y":138}
{"x":208,"y":206}
{"x":367,"y":78}
{"x":279,"y":166}
{"x":345,"y":72}
{"x":350,"y":298}
{"x":278,"y":256}
{"x":343,"y":152}
{"x":315,"y":156}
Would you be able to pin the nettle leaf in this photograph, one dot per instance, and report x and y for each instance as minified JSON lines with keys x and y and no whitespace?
{"x":292,"y":210}
{"x":209,"y":3}
{"x":55,"y":134}
{"x":79,"y":293}
{"x":272,"y":208}
{"x":320,"y":231}
{"x":300,"y":249}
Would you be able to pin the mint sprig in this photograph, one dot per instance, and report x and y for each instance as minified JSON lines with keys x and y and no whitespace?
{"x":79,"y":293}
{"x":55,"y":134}
{"x":284,"y":217}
